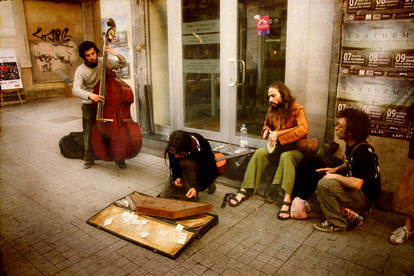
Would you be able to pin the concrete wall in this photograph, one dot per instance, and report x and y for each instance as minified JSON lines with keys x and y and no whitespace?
{"x":54,"y":33}
{"x":159,"y":61}
{"x":308,"y":58}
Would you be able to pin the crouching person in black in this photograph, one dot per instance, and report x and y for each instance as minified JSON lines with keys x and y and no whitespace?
{"x":192,"y":166}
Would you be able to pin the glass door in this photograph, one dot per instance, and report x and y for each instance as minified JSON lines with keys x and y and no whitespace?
{"x":262,"y":48}
{"x":220,"y":65}
{"x":201,"y":64}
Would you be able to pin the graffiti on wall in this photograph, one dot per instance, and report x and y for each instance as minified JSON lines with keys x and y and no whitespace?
{"x":53,"y":50}
{"x":49,"y":57}
{"x":54,"y":35}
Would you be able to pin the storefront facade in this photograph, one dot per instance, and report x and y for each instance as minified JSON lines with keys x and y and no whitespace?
{"x":205,"y":66}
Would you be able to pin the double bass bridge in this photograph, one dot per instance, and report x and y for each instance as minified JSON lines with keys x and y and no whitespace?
{"x":103,"y":120}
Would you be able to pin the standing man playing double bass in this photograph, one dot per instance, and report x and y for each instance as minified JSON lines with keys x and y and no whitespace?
{"x":87,"y":75}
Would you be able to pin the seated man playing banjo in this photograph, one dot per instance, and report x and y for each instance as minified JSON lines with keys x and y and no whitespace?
{"x":285,"y":124}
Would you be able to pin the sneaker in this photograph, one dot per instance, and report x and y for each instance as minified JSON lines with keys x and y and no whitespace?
{"x":400,"y":235}
{"x":352,"y":217}
{"x":87,"y":164}
{"x":121,"y":164}
{"x":325,"y":226}
{"x":211,"y":189}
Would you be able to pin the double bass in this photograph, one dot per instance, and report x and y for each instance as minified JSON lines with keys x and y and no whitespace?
{"x":115,"y":136}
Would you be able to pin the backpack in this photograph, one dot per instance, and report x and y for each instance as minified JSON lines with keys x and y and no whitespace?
{"x":71,"y":145}
{"x":376,"y":181}
{"x":299,"y":209}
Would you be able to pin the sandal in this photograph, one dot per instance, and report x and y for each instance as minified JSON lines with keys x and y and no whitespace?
{"x":238,"y":201}
{"x":284,"y":211}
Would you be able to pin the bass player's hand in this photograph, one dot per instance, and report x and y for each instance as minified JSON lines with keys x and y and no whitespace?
{"x":96,"y":97}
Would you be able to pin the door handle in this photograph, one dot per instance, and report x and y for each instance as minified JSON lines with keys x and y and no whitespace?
{"x":243,"y":72}
{"x":236,"y":72}
{"x":234,"y":61}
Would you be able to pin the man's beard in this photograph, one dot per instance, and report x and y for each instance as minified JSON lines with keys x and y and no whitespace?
{"x":275,"y":105}
{"x":92,"y":64}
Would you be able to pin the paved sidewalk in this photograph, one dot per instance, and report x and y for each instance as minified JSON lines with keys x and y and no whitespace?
{"x":46,"y":200}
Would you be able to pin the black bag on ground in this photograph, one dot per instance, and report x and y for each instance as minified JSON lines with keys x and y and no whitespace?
{"x":307,"y":179}
{"x":71,"y":146}
{"x":236,"y":167}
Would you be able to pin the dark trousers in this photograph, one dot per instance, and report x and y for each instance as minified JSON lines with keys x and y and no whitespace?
{"x":88,"y":121}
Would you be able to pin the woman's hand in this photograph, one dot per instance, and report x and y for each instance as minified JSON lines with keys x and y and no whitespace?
{"x":178,"y":183}
{"x":191,"y":193}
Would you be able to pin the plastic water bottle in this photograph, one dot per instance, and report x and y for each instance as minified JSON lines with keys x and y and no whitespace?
{"x":243,"y":136}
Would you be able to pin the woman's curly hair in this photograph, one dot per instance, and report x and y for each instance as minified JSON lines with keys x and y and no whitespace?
{"x":358,"y":123}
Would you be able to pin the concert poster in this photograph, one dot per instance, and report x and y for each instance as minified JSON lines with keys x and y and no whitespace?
{"x":376,"y":71}
{"x":360,"y":10}
{"x":386,"y":101}
{"x":9,"y":71}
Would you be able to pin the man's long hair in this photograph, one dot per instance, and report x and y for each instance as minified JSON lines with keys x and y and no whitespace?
{"x":179,"y":141}
{"x":85,"y":46}
{"x":357,"y":123}
{"x":287,"y":99}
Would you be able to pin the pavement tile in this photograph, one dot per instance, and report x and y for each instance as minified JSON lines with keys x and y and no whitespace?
{"x":129,"y":267}
{"x":178,"y":270}
{"x":199,"y":269}
{"x":271,"y":267}
{"x":72,"y":270}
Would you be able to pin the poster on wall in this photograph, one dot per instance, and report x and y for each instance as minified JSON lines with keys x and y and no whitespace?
{"x":10,"y":77}
{"x":378,"y":9}
{"x":119,"y":43}
{"x":124,"y":71}
{"x":377,"y":64}
{"x":378,"y":49}
{"x":262,"y":24}
{"x":386,"y":101}
{"x":121,"y":34}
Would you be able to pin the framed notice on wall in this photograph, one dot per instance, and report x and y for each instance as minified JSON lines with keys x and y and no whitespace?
{"x":10,"y":77}
{"x":377,"y":63}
